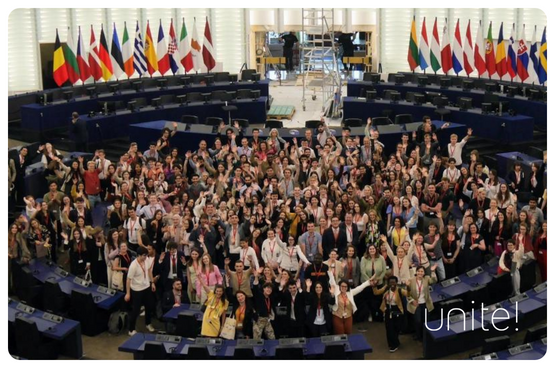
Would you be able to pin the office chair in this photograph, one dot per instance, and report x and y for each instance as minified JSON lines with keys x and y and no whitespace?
{"x":189,"y":119}
{"x":194,"y":97}
{"x":246,"y":75}
{"x":243,"y":353}
{"x":288,"y":353}
{"x":352,"y":122}
{"x":441,"y":110}
{"x":167,"y":99}
{"x":335,"y":352}
{"x":154,"y":350}
{"x":243,"y":94}
{"x":312,"y":124}
{"x":221,"y":77}
{"x":83,"y":309}
{"x":278,"y":124}
{"x":187,"y":326}
{"x":478,"y":293}
{"x":198,"y":352}
{"x":213,"y":121}
{"x":243,"y":123}
{"x":402,"y":119}
{"x":495,"y":344}
{"x":535,"y":333}
{"x":54,"y":300}
{"x":31,"y":344}
{"x":381,"y":121}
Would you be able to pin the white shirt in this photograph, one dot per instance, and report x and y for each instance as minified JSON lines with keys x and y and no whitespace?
{"x":138,"y":276}
{"x":456,"y":151}
{"x":233,"y":243}
{"x":272,"y":250}
{"x":132,"y":227}
{"x":244,"y":256}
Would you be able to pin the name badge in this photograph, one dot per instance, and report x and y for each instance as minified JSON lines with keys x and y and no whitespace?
{"x":432,"y":213}
{"x":310,"y":255}
{"x":344,"y":315}
{"x":351,"y":281}
{"x":449,"y":254}
{"x":387,"y":267}
{"x":80,"y":261}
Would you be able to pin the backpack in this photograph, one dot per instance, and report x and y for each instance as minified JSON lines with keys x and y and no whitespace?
{"x":117,"y":322}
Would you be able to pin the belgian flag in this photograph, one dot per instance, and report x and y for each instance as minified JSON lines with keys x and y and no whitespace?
{"x":60,"y":70}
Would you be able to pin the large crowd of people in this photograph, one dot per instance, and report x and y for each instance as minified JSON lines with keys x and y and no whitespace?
{"x":301,"y":238}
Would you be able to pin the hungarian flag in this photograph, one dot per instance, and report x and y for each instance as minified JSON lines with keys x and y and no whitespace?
{"x":173,"y":51}
{"x":104,"y":56}
{"x":162,"y":51}
{"x":94,"y":59}
{"x":490,"y":54}
{"x":534,"y":63}
{"x":435,"y":51}
{"x":60,"y":70}
{"x":413,"y":47}
{"x":70,"y":52}
{"x":468,"y":68}
{"x":446,"y":57}
{"x":117,"y":58}
{"x":84,"y":71}
{"x":150,"y":52}
{"x":542,"y":68}
{"x":522,"y":58}
{"x":207,"y":49}
{"x":457,"y":50}
{"x":185,"y":48}
{"x":195,"y":47}
{"x":139,"y":59}
{"x":511,"y":55}
{"x":127,"y":52}
{"x":479,"y":55}
{"x":424,"y":50}
{"x":501,"y":55}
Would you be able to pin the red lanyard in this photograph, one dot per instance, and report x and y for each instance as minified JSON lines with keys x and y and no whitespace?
{"x":452,"y":151}
{"x":132,"y":227}
{"x":142,"y":268}
{"x":207,"y":277}
{"x":390,"y":297}
{"x":127,"y":259}
{"x":234,"y":235}
{"x":79,"y":248}
{"x":39,"y":234}
{"x":350,"y":268}
{"x":319,"y":308}
{"x":245,"y":254}
{"x":239,"y":280}
{"x":419,"y":251}
{"x":268,"y":304}
{"x":291,"y":250}
{"x":350,"y":230}
{"x":432,"y":201}
{"x":272,"y":245}
{"x":345,"y":300}
{"x":473,"y":238}
{"x":335,"y":235}
{"x":419,"y":285}
{"x":400,"y":264}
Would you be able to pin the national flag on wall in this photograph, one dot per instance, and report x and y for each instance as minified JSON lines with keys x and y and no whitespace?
{"x":534,"y":63}
{"x":424,"y":50}
{"x":479,"y":52}
{"x":195,"y":48}
{"x":435,"y":51}
{"x":511,"y":55}
{"x":150,"y":52}
{"x":412,"y":56}
{"x":468,"y":68}
{"x":446,"y":58}
{"x":104,"y":57}
{"x":185,"y":48}
{"x":500,"y":55}
{"x":207,"y":48}
{"x":94,"y":59}
{"x":542,"y":69}
{"x":84,"y":71}
{"x":522,"y":58}
{"x":457,"y":50}
{"x":162,"y":51}
{"x":59,"y":70}
{"x":139,"y":59}
{"x":117,"y":58}
{"x":70,"y":52}
{"x":490,"y":53}
{"x":173,"y":51}
{"x":127,"y":52}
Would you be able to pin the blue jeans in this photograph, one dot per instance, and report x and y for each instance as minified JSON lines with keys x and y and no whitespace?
{"x":93,"y":200}
{"x":440,"y":270}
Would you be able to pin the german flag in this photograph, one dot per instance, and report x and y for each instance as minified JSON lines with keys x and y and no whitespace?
{"x":104,"y":56}
{"x":60,"y":70}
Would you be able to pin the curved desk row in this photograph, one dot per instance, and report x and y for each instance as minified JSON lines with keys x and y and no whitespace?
{"x":506,"y":128}
{"x":523,"y":106}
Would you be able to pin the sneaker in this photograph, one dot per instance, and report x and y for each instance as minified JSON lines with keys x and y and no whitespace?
{"x":132,"y":333}
{"x":393,"y":350}
{"x":142,"y":314}
{"x":370,"y":318}
{"x":150,"y":328}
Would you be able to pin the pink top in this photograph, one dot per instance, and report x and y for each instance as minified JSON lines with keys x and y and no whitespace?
{"x":214,"y":278}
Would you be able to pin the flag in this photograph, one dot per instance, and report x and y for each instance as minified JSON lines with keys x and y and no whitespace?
{"x":139,"y":60}
{"x":127,"y":52}
{"x":457,"y":50}
{"x":479,"y":56}
{"x":500,"y":55}
{"x":534,"y":63}
{"x":173,"y":51}
{"x":84,"y":71}
{"x":542,"y":67}
{"x":424,"y":50}
{"x":60,"y":70}
{"x":195,"y":47}
{"x":435,"y":50}
{"x":468,"y":67}
{"x":207,"y":49}
{"x":446,"y":61}
{"x":490,"y":54}
{"x":185,"y":48}
{"x":117,"y":58}
{"x":104,"y":56}
{"x":150,"y":52}
{"x":94,"y":59}
{"x":522,"y":58}
{"x":412,"y":56}
{"x":162,"y":51}
{"x":70,"y":52}
{"x":511,"y":55}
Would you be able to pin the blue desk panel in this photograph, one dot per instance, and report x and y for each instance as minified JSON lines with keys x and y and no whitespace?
{"x":58,"y":114}
{"x":173,"y":313}
{"x":534,"y":109}
{"x":506,"y":160}
{"x":506,"y":128}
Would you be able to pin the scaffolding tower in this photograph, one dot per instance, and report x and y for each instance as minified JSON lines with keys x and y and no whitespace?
{"x":319,"y":67}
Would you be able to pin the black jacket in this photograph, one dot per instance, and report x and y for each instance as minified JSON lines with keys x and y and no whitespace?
{"x":299,"y":306}
{"x":260,"y":302}
{"x":329,"y":242}
{"x":325,"y":302}
{"x":165,"y":266}
{"x":168,"y":300}
{"x":247,"y":321}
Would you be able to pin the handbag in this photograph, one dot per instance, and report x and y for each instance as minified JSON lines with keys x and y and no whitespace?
{"x":117,"y":280}
{"x":228,"y":329}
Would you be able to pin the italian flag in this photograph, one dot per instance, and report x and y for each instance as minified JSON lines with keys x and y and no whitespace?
{"x":185,"y":48}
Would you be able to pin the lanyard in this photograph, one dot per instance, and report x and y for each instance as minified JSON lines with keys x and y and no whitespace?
{"x":234,"y":235}
{"x":350,"y":268}
{"x":272,"y":245}
{"x":131,"y":228}
{"x":452,"y":151}
{"x":345,"y":300}
{"x":239,"y":280}
{"x":419,"y":285}
{"x":400,"y":264}
{"x":268,"y":304}
{"x":142,"y":268}
{"x":390,"y":297}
